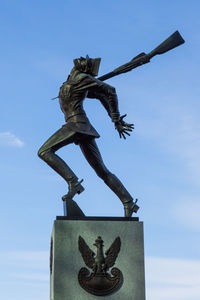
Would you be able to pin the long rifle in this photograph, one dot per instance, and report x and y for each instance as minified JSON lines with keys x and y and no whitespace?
{"x":171,"y":42}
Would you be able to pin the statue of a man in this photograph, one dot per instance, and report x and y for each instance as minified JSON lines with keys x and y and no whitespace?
{"x":81,"y":83}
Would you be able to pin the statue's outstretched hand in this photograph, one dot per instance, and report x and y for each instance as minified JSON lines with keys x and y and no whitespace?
{"x":123,"y":127}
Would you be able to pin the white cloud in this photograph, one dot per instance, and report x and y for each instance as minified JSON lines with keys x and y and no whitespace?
{"x":166,"y":278}
{"x":7,"y":138}
{"x":174,"y":279}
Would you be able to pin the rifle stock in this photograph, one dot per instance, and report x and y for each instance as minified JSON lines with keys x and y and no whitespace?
{"x":171,"y":42}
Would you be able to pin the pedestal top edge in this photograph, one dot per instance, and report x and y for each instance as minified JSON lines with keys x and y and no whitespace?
{"x":76,"y":218}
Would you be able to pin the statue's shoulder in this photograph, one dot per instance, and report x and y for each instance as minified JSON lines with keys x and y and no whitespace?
{"x":81,"y":76}
{"x":77,"y":79}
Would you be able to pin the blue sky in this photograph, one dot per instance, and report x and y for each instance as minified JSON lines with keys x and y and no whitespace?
{"x":159,"y":163}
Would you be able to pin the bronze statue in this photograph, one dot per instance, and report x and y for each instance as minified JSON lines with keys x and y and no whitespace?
{"x":81,"y":83}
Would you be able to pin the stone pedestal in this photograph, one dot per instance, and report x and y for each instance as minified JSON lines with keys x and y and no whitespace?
{"x":66,"y":259}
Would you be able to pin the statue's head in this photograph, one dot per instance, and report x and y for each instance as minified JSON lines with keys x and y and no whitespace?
{"x":87,"y":65}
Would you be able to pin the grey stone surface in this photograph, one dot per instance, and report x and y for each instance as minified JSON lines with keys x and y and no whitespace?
{"x":67,"y":260}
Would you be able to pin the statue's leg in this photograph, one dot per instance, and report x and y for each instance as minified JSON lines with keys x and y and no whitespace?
{"x":47,"y":153}
{"x":93,"y":156}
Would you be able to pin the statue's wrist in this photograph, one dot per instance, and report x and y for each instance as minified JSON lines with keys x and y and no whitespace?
{"x":115,"y":117}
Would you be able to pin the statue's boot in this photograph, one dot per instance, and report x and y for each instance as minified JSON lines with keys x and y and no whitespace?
{"x":56,"y":163}
{"x":75,"y":187}
{"x":130,"y":207}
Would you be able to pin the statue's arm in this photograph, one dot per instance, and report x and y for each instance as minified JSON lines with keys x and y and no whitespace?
{"x":92,"y":93}
{"x":107,"y":95}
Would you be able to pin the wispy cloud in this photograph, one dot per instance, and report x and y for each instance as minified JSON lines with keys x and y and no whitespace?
{"x":169,"y":278}
{"x":191,"y":207}
{"x":24,"y":273}
{"x":28,"y":259}
{"x":7,"y":138}
{"x":166,"y":278}
{"x":177,"y":131}
{"x":30,"y":276}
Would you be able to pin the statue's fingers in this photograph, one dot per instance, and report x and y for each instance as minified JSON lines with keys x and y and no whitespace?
{"x":126,"y":132}
{"x":128,"y":129}
{"x":121,"y":118}
{"x":123,"y":135}
{"x":131,"y":125}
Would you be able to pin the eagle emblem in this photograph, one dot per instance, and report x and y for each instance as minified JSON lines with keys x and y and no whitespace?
{"x":99,"y":282}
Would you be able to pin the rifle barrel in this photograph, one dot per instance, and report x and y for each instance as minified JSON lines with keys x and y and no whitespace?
{"x":107,"y":76}
{"x":135,"y":62}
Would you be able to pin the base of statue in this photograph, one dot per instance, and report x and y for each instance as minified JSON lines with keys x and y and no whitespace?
{"x":81,"y":267}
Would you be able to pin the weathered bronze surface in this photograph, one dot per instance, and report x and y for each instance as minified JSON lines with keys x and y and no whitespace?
{"x":99,"y":282}
{"x":71,"y":209}
{"x":81,"y":83}
{"x":51,"y":256}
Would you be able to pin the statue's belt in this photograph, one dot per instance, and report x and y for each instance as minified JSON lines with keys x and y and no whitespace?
{"x":75,"y":114}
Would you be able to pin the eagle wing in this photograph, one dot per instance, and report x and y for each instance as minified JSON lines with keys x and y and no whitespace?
{"x":86,"y":252}
{"x":112,"y":252}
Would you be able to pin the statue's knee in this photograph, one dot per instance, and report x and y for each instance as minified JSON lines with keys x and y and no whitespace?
{"x":107,"y":177}
{"x":103,"y":174}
